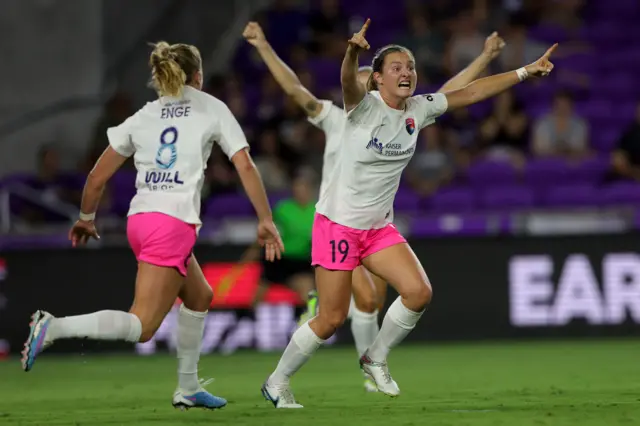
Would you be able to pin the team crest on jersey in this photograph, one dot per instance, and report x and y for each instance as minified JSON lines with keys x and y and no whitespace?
{"x":410,"y":125}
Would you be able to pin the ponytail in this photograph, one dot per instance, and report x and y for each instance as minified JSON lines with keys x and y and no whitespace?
{"x":173,"y":66}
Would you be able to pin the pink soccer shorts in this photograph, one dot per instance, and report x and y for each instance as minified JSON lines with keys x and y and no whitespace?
{"x":338,"y":247}
{"x":161,"y":240}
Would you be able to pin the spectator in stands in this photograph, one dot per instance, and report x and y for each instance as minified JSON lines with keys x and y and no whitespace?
{"x":238,"y":106}
{"x":428,"y":46}
{"x":504,"y":134}
{"x":625,"y":160}
{"x":271,"y":99}
{"x":465,"y":43}
{"x":324,"y":23}
{"x":562,"y":132}
{"x":117,"y":109}
{"x":434,"y":165}
{"x":519,"y":49}
{"x":52,"y":187}
{"x":269,"y":163}
{"x":219,"y":177}
{"x":566,"y":14}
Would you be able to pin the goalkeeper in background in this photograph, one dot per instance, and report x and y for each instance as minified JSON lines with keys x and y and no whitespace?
{"x":294,"y":218}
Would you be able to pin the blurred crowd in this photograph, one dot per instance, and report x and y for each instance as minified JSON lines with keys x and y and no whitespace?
{"x":445,"y":36}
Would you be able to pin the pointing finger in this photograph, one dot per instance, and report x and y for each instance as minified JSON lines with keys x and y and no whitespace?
{"x":364,"y":28}
{"x":548,"y":53}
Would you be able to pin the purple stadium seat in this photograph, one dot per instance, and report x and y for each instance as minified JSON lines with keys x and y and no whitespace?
{"x":508,"y":197}
{"x":490,"y":172}
{"x":228,"y":205}
{"x":596,"y":110}
{"x":621,"y":193}
{"x":591,"y":170}
{"x":453,"y":199}
{"x":546,"y":171}
{"x":406,"y":201}
{"x":572,"y":195}
{"x":605,"y":139}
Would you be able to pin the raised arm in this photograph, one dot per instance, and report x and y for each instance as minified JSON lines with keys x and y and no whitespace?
{"x":487,"y":87}
{"x":493,"y":45}
{"x":284,"y":75}
{"x":352,"y":91}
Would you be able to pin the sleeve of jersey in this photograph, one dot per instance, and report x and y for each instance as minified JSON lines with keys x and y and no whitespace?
{"x":120,"y":138}
{"x":320,"y":120}
{"x":431,"y":106}
{"x":361,"y":113}
{"x":232,"y":138}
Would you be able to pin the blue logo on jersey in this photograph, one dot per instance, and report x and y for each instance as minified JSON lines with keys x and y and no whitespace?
{"x":374,"y":144}
{"x":167,"y":154}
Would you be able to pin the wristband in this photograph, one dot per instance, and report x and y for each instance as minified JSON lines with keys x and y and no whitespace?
{"x":87,"y":217}
{"x":522,"y":73}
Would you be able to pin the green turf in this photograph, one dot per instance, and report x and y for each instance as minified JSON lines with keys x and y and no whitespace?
{"x":568,"y":383}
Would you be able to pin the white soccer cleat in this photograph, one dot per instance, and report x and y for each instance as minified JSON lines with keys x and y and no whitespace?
{"x":378,"y":372}
{"x":279,"y":395}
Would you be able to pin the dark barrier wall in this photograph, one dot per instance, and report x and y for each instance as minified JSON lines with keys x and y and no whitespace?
{"x":483,"y":288}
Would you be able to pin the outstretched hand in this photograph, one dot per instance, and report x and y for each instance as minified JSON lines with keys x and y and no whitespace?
{"x":357,"y":41}
{"x":543,"y":66}
{"x":253,"y":34}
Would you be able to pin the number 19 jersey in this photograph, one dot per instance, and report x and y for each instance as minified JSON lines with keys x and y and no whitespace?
{"x":377,"y":144}
{"x":171,"y":140}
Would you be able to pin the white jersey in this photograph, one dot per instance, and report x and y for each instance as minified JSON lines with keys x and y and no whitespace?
{"x":331,"y":121}
{"x":171,"y":140}
{"x":378,"y":142}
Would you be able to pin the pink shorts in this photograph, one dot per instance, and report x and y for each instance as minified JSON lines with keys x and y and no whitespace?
{"x":161,"y":240}
{"x":338,"y":247}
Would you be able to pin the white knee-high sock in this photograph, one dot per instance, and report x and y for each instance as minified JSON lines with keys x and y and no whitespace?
{"x":364,"y":327}
{"x":302,"y":345}
{"x":101,"y":325}
{"x":397,"y":324}
{"x":190,"y":331}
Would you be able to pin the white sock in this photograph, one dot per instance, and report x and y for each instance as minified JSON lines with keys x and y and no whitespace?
{"x":397,"y":324}
{"x":190,"y":331}
{"x":364,"y":326}
{"x":101,"y":325}
{"x":302,"y":345}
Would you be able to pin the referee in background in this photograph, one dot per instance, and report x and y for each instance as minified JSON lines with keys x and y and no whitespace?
{"x":294,"y":218}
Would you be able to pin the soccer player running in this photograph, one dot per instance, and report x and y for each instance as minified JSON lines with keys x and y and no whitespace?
{"x":354,"y":215}
{"x":369,"y":290}
{"x":170,"y":140}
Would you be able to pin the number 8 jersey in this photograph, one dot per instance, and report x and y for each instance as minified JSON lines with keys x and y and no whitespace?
{"x":171,"y":140}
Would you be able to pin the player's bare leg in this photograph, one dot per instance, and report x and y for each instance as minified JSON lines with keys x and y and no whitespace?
{"x":399,"y":266}
{"x":334,"y":292}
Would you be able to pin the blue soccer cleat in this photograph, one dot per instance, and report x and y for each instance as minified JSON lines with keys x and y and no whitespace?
{"x":200,"y":399}
{"x":37,"y":341}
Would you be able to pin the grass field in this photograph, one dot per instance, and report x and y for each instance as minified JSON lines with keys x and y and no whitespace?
{"x":559,"y":383}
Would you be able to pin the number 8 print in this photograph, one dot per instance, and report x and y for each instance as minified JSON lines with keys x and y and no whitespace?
{"x":167,"y":149}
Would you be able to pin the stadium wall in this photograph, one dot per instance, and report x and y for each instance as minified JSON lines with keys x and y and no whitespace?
{"x":485,"y":288}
